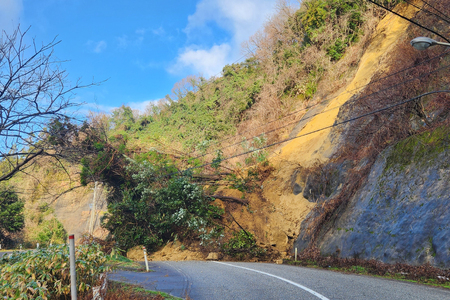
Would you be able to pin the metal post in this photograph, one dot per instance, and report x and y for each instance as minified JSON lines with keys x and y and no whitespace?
{"x":92,"y":219}
{"x":295,"y":253}
{"x":73,"y":273}
{"x":145,"y":257}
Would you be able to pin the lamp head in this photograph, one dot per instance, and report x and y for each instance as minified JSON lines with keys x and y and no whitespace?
{"x":422,"y":43}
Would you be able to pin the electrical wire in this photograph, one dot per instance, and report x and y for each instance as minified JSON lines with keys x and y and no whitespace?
{"x":428,"y":4}
{"x":409,"y":20}
{"x":430,"y":12}
{"x":314,"y":105}
{"x":333,"y":108}
{"x":308,"y":133}
{"x":290,"y":114}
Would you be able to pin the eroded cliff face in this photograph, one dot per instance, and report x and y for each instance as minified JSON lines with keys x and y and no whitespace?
{"x":398,"y":211}
{"x":402,"y":212}
{"x":49,"y":192}
{"x":288,"y":195}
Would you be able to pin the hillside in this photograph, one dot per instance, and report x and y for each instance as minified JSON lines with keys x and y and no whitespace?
{"x":315,"y":141}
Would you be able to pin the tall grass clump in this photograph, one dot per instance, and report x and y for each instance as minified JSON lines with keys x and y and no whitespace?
{"x":45,"y":273}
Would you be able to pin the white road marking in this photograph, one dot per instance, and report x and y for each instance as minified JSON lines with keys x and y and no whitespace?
{"x":280,"y":278}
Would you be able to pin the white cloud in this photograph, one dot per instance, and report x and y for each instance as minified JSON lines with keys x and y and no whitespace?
{"x":125,"y":41}
{"x":208,"y":62}
{"x":95,"y":107}
{"x":140,"y":106}
{"x":86,"y":108}
{"x":239,"y":18}
{"x":10,"y":11}
{"x":159,"y":31}
{"x":97,"y":47}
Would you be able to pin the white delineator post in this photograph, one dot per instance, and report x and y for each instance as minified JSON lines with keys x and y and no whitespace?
{"x":145,"y":257}
{"x":295,"y":253}
{"x":73,"y":273}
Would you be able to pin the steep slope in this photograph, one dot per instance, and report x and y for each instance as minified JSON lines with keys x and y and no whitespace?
{"x":52,"y":194}
{"x":281,"y":206}
{"x":401,"y":214}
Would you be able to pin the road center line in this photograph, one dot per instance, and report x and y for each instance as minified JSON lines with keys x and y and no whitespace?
{"x":280,"y":278}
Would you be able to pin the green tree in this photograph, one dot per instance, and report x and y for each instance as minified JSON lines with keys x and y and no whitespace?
{"x":153,"y":210}
{"x":122,"y":117}
{"x":51,"y":231}
{"x":11,"y":212}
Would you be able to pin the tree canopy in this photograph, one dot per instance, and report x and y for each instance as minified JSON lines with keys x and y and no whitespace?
{"x":11,"y":212}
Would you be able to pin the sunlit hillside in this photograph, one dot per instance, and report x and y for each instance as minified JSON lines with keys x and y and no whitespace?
{"x":287,"y":149}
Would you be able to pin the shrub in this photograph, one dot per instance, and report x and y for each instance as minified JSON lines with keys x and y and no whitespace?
{"x":45,"y":273}
{"x":11,"y":212}
{"x":51,"y":232}
{"x":152,"y":212}
{"x":243,"y":245}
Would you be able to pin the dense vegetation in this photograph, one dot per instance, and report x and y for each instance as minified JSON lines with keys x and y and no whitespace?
{"x":44,"y":273}
{"x":295,"y":50}
{"x":140,"y":155}
{"x":152,"y":201}
{"x":11,"y":214}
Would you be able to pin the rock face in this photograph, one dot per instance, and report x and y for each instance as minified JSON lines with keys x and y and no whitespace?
{"x":402,"y":212}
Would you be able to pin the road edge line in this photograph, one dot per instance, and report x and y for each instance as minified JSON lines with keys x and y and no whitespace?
{"x":280,"y":278}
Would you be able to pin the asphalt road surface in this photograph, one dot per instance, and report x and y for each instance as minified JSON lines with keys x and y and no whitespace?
{"x":4,"y":253}
{"x":230,"y":280}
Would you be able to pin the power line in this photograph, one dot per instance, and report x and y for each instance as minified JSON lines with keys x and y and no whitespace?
{"x":290,"y":114}
{"x":409,"y":20}
{"x":326,"y":99}
{"x":426,"y":3}
{"x":309,"y":133}
{"x":425,"y":10}
{"x":333,"y":108}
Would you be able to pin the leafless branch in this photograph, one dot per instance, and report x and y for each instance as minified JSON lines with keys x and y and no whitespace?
{"x":34,"y":92}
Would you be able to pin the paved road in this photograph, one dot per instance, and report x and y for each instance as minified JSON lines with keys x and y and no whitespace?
{"x":225,"y":280}
{"x":4,"y":253}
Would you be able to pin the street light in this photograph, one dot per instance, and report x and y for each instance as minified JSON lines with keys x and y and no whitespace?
{"x":422,"y":43}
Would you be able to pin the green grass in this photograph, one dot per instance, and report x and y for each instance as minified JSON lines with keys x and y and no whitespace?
{"x":123,"y":263}
{"x":129,"y":291}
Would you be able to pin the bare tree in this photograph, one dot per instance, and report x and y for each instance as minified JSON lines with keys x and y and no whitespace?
{"x":36,"y":102}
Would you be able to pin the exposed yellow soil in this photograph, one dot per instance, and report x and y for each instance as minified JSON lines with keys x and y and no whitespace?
{"x":173,"y":251}
{"x":276,"y":213}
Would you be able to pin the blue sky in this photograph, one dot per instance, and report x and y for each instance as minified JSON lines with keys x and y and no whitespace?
{"x":142,"y":47}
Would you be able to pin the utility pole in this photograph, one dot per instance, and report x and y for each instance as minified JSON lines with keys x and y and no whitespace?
{"x":92,"y":220}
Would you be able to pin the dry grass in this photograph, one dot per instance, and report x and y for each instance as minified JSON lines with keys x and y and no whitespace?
{"x":424,"y":273}
{"x":283,"y":91}
{"x":367,"y":137}
{"x":122,"y":291}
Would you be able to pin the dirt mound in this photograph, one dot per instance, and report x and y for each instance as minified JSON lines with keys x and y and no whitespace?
{"x":174,"y":251}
